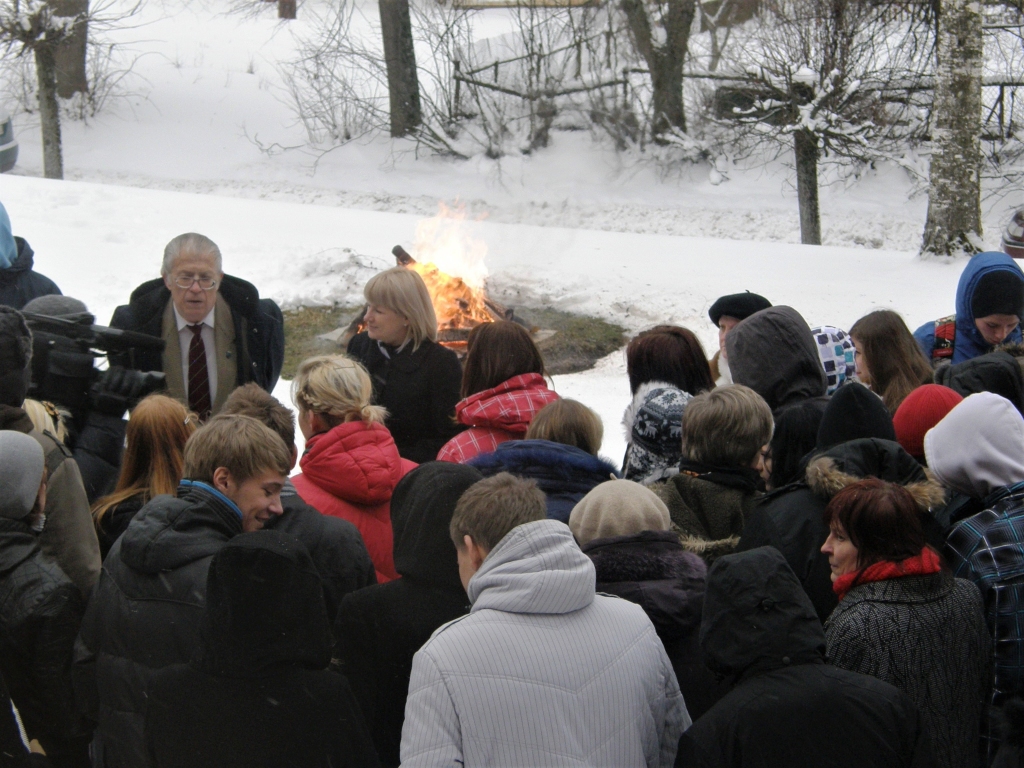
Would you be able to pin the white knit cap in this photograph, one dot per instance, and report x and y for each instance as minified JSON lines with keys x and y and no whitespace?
{"x":978,"y":447}
{"x":21,"y":472}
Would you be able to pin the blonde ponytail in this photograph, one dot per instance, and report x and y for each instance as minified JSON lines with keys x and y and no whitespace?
{"x":337,"y":388}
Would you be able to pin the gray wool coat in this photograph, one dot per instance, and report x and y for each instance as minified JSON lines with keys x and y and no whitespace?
{"x":543,"y":672}
{"x":925,"y":635}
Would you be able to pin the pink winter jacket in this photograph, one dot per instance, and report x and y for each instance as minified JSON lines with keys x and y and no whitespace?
{"x":350,"y":472}
{"x":496,"y":415}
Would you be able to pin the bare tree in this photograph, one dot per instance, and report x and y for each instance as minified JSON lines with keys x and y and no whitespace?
{"x":954,"y":195}
{"x":670,"y":21}
{"x":71,"y":52}
{"x":400,"y":58}
{"x":832,"y":78}
{"x":33,"y":26}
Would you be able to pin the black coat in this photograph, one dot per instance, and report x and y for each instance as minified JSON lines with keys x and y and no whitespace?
{"x":14,"y":751}
{"x":144,"y":612}
{"x":115,"y":522}
{"x":419,"y":389}
{"x":791,"y":519}
{"x":257,"y":693}
{"x":787,"y":707}
{"x":40,"y":613}
{"x":653,"y":570}
{"x":566,"y":474}
{"x":19,"y":284}
{"x":335,"y":545}
{"x":380,"y":628}
{"x":258,"y":323}
{"x":98,"y":450}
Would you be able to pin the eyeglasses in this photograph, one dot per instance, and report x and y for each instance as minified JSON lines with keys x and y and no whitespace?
{"x":187,"y":281}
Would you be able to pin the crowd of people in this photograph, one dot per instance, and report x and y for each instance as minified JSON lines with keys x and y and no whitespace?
{"x":811,"y":553}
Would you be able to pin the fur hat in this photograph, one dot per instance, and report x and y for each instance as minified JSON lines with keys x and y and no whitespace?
{"x":835,"y":348}
{"x":617,"y":508}
{"x":738,"y":305}
{"x":922,"y":409}
{"x":21,"y":472}
{"x":15,"y":357}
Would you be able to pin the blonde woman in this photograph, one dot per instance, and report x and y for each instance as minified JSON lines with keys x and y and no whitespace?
{"x":351,"y":465}
{"x":153,"y":459}
{"x":414,"y":378}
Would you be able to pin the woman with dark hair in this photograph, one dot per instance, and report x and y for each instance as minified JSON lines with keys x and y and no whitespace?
{"x":888,"y":359}
{"x":503,"y":388}
{"x":154,"y":449}
{"x":897,"y":607}
{"x":666,"y":367}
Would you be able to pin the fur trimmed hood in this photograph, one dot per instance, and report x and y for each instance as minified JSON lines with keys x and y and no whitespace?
{"x":832,"y":471}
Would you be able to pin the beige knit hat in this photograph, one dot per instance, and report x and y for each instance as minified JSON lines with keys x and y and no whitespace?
{"x":617,"y":508}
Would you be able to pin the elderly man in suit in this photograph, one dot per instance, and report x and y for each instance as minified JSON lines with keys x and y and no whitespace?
{"x":219,"y":333}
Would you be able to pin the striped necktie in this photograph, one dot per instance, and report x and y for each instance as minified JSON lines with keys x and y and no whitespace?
{"x":198,"y":376}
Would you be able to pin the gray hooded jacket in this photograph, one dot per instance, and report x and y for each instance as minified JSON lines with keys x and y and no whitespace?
{"x":543,"y":672}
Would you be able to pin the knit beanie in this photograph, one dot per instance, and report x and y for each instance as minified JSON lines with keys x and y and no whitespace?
{"x":55,"y":305}
{"x":978,"y":447}
{"x":655,"y":433}
{"x":998,"y":293}
{"x":738,"y":305}
{"x":854,"y":412}
{"x":8,"y":248}
{"x":617,"y":508}
{"x":21,"y":473}
{"x":15,"y":356}
{"x":922,"y":409}
{"x":835,"y":348}
{"x":1013,"y":237}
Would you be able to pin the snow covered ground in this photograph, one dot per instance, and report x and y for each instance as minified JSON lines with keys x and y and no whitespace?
{"x":201,"y":136}
{"x":98,"y":241}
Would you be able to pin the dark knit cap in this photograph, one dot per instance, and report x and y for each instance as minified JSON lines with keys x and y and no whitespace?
{"x":998,"y":293}
{"x":854,"y":412}
{"x":15,"y":356}
{"x":738,"y":305}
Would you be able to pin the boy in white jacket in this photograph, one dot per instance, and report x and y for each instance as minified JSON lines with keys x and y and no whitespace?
{"x":542,"y":671}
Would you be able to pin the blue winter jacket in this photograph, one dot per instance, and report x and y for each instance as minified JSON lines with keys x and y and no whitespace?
{"x":969,"y":342}
{"x":19,"y":283}
{"x":565,"y":474}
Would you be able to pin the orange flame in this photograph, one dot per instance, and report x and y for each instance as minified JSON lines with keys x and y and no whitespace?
{"x":451,"y":262}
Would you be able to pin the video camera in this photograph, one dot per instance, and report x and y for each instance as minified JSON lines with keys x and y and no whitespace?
{"x":63,"y":370}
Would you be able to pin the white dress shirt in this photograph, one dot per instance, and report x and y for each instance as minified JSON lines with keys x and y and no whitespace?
{"x":209,"y":341}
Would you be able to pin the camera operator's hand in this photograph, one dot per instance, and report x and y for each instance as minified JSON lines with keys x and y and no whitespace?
{"x":119,"y":390}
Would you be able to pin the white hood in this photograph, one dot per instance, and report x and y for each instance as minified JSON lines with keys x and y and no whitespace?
{"x":536,"y":568}
{"x":978,"y":447}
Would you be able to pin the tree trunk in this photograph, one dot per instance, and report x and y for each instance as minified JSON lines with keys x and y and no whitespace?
{"x":286,"y":9}
{"x":49,"y":115}
{"x":954,"y":195}
{"x":70,"y":52}
{"x":400,"y":58}
{"x":665,"y":61}
{"x":806,"y":148}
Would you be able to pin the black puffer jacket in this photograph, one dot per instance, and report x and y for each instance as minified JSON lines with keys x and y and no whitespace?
{"x":788,"y":708}
{"x":257,"y":693}
{"x":791,"y":519}
{"x":997,"y":372}
{"x":116,"y":520}
{"x":40,"y":614}
{"x":898,"y":630}
{"x":380,"y":628}
{"x":335,"y":545}
{"x":565,"y":473}
{"x":774,"y":353}
{"x":258,"y":324}
{"x":419,"y":389}
{"x":19,"y":284}
{"x":653,"y":570}
{"x":144,"y":612}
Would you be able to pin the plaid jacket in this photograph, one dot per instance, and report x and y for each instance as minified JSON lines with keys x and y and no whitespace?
{"x":988,"y":549}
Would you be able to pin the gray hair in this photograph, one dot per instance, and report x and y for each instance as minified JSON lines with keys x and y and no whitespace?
{"x":192,"y":244}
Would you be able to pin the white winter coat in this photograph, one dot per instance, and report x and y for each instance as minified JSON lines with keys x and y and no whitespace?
{"x":543,"y":672}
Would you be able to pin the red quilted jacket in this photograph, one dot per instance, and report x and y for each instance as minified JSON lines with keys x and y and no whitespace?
{"x":496,"y":415}
{"x":350,"y":472}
